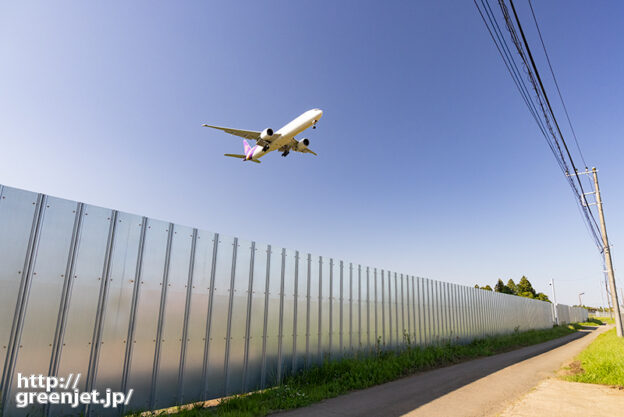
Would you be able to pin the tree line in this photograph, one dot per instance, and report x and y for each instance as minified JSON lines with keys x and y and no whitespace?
{"x":523,"y":288}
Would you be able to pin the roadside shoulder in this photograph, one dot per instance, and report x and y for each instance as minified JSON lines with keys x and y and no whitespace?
{"x":554,"y":397}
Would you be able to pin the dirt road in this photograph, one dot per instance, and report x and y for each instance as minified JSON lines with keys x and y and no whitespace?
{"x":482,"y":387}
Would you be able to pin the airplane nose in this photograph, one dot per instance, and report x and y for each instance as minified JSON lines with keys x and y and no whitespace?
{"x":319,"y":114}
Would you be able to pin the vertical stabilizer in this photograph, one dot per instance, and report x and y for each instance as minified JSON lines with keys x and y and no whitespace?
{"x":246,"y":146}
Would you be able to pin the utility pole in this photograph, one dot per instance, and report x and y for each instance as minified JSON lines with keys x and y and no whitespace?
{"x":606,"y":288}
{"x":556,"y":314}
{"x":607,"y":255}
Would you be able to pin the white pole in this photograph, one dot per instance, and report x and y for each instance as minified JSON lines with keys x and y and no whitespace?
{"x":556,"y":314}
{"x":580,"y":302}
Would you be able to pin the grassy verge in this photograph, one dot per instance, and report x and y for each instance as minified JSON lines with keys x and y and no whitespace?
{"x":592,"y":321}
{"x":604,"y":320}
{"x":602,"y":362}
{"x":365,"y":370}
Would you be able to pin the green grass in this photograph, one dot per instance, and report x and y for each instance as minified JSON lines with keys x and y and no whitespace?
{"x":605,"y":320}
{"x":365,"y":370}
{"x":602,"y":362}
{"x":592,"y":321}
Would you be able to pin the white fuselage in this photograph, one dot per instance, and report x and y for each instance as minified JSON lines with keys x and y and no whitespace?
{"x":289,"y":131}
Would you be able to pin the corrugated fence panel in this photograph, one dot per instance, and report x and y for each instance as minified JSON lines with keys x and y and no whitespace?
{"x":301,"y":311}
{"x":274,"y":278}
{"x":119,"y":305}
{"x":182,"y":315}
{"x":36,"y":345}
{"x":237,"y":318}
{"x":80,"y":342}
{"x":192,"y":388}
{"x":215,"y":373}
{"x":370,"y":307}
{"x":17,"y":209}
{"x":172,"y":313}
{"x":344,"y":307}
{"x":313,"y":310}
{"x":253,"y":377}
{"x":288,"y":313}
{"x":146,"y":321}
{"x":355,"y":307}
{"x":336,"y":335}
{"x":379,"y":314}
{"x":386,"y":309}
{"x":325,"y":307}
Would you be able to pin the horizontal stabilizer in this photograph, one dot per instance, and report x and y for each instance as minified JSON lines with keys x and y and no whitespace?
{"x":234,"y":155}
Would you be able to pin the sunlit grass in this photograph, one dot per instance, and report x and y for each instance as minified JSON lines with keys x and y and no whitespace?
{"x":592,"y":321}
{"x":602,"y":362}
{"x":606,"y":320}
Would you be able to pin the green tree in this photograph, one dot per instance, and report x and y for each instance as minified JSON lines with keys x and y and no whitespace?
{"x":512,"y":286}
{"x":524,"y":286}
{"x":541,"y":296}
{"x":500,"y":287}
{"x":487,"y":287}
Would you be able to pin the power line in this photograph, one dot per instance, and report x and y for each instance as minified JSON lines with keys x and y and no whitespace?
{"x":549,"y":126}
{"x":557,"y":85}
{"x":518,"y":79}
{"x":552,"y":142}
{"x":565,"y":109}
{"x":509,"y":63}
{"x":539,"y":79}
{"x":547,"y":123}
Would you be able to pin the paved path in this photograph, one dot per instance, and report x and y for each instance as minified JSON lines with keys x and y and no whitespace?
{"x":557,"y":398}
{"x":481,"y":387}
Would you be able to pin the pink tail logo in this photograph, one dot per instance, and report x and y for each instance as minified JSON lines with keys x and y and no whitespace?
{"x":246,"y":146}
{"x":249,"y":150}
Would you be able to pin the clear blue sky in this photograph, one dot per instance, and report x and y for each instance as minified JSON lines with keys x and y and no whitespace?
{"x":429,"y":162}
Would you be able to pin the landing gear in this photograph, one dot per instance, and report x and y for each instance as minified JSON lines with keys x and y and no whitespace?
{"x":265,"y":148}
{"x":314,"y":124}
{"x":286,"y":152}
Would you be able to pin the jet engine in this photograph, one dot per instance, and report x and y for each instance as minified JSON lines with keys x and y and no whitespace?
{"x":303,"y":144}
{"x":266,"y":134}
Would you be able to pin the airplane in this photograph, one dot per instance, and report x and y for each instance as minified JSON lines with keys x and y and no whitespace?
{"x":269,"y":141}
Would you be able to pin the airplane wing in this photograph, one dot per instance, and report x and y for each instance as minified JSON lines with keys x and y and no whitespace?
{"x":293,"y":145}
{"x":247,"y":134}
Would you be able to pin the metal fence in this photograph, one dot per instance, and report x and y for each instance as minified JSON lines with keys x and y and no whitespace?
{"x":180,"y":314}
{"x":604,"y":314}
{"x":567,"y":314}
